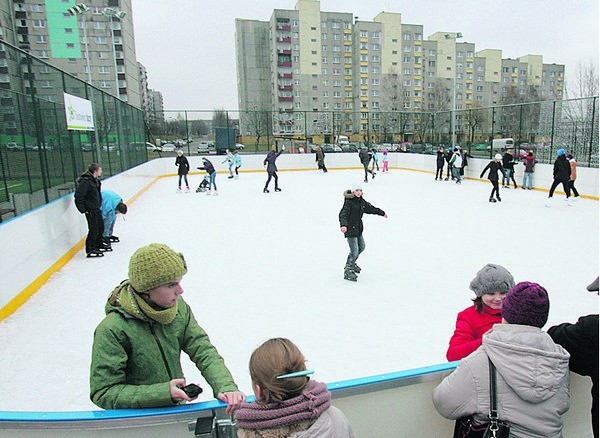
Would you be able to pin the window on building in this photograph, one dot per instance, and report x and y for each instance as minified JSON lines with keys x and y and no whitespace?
{"x":323,"y":36}
{"x":99,"y":25}
{"x":376,"y":47}
{"x":337,"y":94}
{"x":375,"y":81}
{"x":324,"y":72}
{"x":375,"y":93}
{"x":39,"y":23}
{"x":364,"y":34}
{"x":101,"y":40}
{"x":407,"y":49}
{"x":337,"y":83}
{"x":375,"y":34}
{"x":336,"y":37}
{"x":41,"y":38}
{"x":337,"y":71}
{"x":337,"y":48}
{"x":336,"y":60}
{"x":325,"y":93}
{"x":406,"y":59}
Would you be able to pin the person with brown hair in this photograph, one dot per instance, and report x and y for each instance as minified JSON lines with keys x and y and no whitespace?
{"x":287,"y":402}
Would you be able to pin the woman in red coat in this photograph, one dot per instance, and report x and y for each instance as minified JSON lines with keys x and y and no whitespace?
{"x":491,"y":284}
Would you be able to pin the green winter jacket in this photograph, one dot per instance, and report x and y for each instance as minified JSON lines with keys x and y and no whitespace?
{"x":129,"y":370}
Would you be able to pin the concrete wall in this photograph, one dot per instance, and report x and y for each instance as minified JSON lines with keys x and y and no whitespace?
{"x":38,"y":243}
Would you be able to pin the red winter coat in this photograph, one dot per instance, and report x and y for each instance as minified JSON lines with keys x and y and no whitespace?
{"x":470,"y":327}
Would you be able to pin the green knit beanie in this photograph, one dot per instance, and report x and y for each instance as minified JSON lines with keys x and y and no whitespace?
{"x":155,"y":265}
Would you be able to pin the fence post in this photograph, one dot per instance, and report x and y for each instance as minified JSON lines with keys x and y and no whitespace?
{"x":187,"y":133}
{"x":492,"y":136}
{"x":552,"y":129}
{"x":592,"y":131}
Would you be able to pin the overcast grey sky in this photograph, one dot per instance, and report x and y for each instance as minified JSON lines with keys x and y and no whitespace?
{"x":188,"y":46}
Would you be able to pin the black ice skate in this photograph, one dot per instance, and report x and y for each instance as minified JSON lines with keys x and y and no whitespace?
{"x":114,"y":239}
{"x":492,"y":200}
{"x":265,"y":190}
{"x":277,"y":189}
{"x":349,"y":274}
{"x":355,"y":268}
{"x":92,"y":254}
{"x":498,"y":198}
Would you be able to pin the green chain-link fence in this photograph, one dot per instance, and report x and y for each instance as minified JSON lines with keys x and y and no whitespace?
{"x":39,"y":157}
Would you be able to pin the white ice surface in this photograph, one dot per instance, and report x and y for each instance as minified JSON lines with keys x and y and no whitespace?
{"x":267,"y":265}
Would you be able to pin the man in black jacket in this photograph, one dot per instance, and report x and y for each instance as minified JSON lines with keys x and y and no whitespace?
{"x":352,"y":227}
{"x":562,"y":174}
{"x":88,"y":201}
{"x":581,"y":341}
{"x":365,"y":158}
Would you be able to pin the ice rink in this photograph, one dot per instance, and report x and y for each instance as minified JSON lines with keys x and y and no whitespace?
{"x":268,"y":265}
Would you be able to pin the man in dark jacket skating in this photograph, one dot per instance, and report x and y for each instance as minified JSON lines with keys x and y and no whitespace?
{"x":365,"y":159}
{"x":88,"y":200}
{"x":352,"y":227}
{"x":562,"y":174}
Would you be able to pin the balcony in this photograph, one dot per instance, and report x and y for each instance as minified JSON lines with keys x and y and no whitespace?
{"x":285,"y":87}
{"x":284,"y":75}
{"x":286,"y":27}
{"x":285,"y":99}
{"x":284,"y":64}
{"x":284,"y":51}
{"x":284,"y":40}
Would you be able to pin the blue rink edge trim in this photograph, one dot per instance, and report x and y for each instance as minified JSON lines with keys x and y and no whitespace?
{"x":116,"y":414}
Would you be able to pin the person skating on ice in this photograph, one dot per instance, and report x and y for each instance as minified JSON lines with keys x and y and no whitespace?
{"x":494,"y":167}
{"x":508,"y":162}
{"x":365,"y":157}
{"x":573,"y":177}
{"x":351,"y":226}
{"x":456,"y":163}
{"x":320,"y":158}
{"x":229,"y":160}
{"x":237,"y":161}
{"x":272,"y":168}
{"x":374,"y":159}
{"x":562,"y":175}
{"x":183,"y":167}
{"x":441,"y":159}
{"x":212,"y":173}
{"x":529,"y":163}
{"x":385,"y":160}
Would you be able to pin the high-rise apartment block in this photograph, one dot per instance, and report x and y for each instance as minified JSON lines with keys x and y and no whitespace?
{"x":352,"y":74}
{"x":95,"y":44}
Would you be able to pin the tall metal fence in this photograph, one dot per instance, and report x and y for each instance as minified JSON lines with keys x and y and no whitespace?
{"x":40,"y":158}
{"x":542,"y":127}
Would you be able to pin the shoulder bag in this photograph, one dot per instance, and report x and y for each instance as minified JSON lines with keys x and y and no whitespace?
{"x":467,"y":428}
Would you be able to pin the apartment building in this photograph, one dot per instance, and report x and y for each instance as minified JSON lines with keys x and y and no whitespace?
{"x":353,"y":74}
{"x":96,"y":45}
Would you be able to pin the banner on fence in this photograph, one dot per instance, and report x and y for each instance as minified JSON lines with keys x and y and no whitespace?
{"x":79,"y":113}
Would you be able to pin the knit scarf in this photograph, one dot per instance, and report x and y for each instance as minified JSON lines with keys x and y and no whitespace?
{"x":134,"y":304}
{"x":309,"y":405}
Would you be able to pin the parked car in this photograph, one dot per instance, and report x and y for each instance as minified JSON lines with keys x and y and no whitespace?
{"x":337,"y":148}
{"x":153,"y":148}
{"x":14,"y":146}
{"x":168,"y":147}
{"x":481,"y":147}
{"x":239,"y":146}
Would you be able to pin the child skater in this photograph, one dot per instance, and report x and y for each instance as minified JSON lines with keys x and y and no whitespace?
{"x":375,"y":159}
{"x":183,"y":168}
{"x":385,"y":160}
{"x":494,"y":166}
{"x":288,"y":403}
{"x":229,"y":160}
{"x":203,"y":187}
{"x":210,"y":169}
{"x":237,"y":161}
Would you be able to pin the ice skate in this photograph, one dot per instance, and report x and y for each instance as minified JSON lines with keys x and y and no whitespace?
{"x":237,"y":177}
{"x":114,"y":239}
{"x":349,"y":274}
{"x":549,"y":202}
{"x":92,"y":254}
{"x":373,"y":175}
{"x":187,"y":189}
{"x":179,"y":190}
{"x":492,"y":200}
{"x":277,"y":189}
{"x":356,"y":268}
{"x":230,"y":177}
{"x":265,"y":190}
{"x":498,"y":198}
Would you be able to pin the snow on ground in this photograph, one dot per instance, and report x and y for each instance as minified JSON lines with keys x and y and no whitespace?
{"x":267,"y":265}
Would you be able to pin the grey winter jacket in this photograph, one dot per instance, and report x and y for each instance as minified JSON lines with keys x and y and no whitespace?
{"x":332,"y":424}
{"x":532,"y":382}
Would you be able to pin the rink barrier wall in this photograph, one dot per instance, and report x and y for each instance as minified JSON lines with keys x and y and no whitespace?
{"x":385,"y":405}
{"x":49,"y":236}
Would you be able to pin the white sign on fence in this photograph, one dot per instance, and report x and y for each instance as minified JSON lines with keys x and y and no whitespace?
{"x":79,"y":113}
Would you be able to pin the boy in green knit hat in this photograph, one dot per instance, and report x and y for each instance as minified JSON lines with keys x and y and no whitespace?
{"x":137,"y":346}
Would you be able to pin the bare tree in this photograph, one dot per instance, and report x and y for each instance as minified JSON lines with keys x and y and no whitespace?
{"x":255,"y":122}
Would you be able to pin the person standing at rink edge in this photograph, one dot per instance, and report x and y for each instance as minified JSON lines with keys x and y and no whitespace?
{"x":581,"y":341}
{"x":88,"y":200}
{"x":111,"y":205}
{"x":288,"y":403}
{"x":351,"y":226}
{"x":136,"y":355}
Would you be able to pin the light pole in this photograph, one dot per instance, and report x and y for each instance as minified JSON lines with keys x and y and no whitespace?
{"x":119,"y":15}
{"x":453,"y":37}
{"x":81,"y":9}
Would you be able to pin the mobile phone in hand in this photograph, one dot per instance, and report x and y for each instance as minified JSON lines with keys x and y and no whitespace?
{"x":192,"y":390}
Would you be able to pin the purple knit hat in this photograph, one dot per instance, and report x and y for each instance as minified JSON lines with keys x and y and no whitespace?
{"x":526,"y":304}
